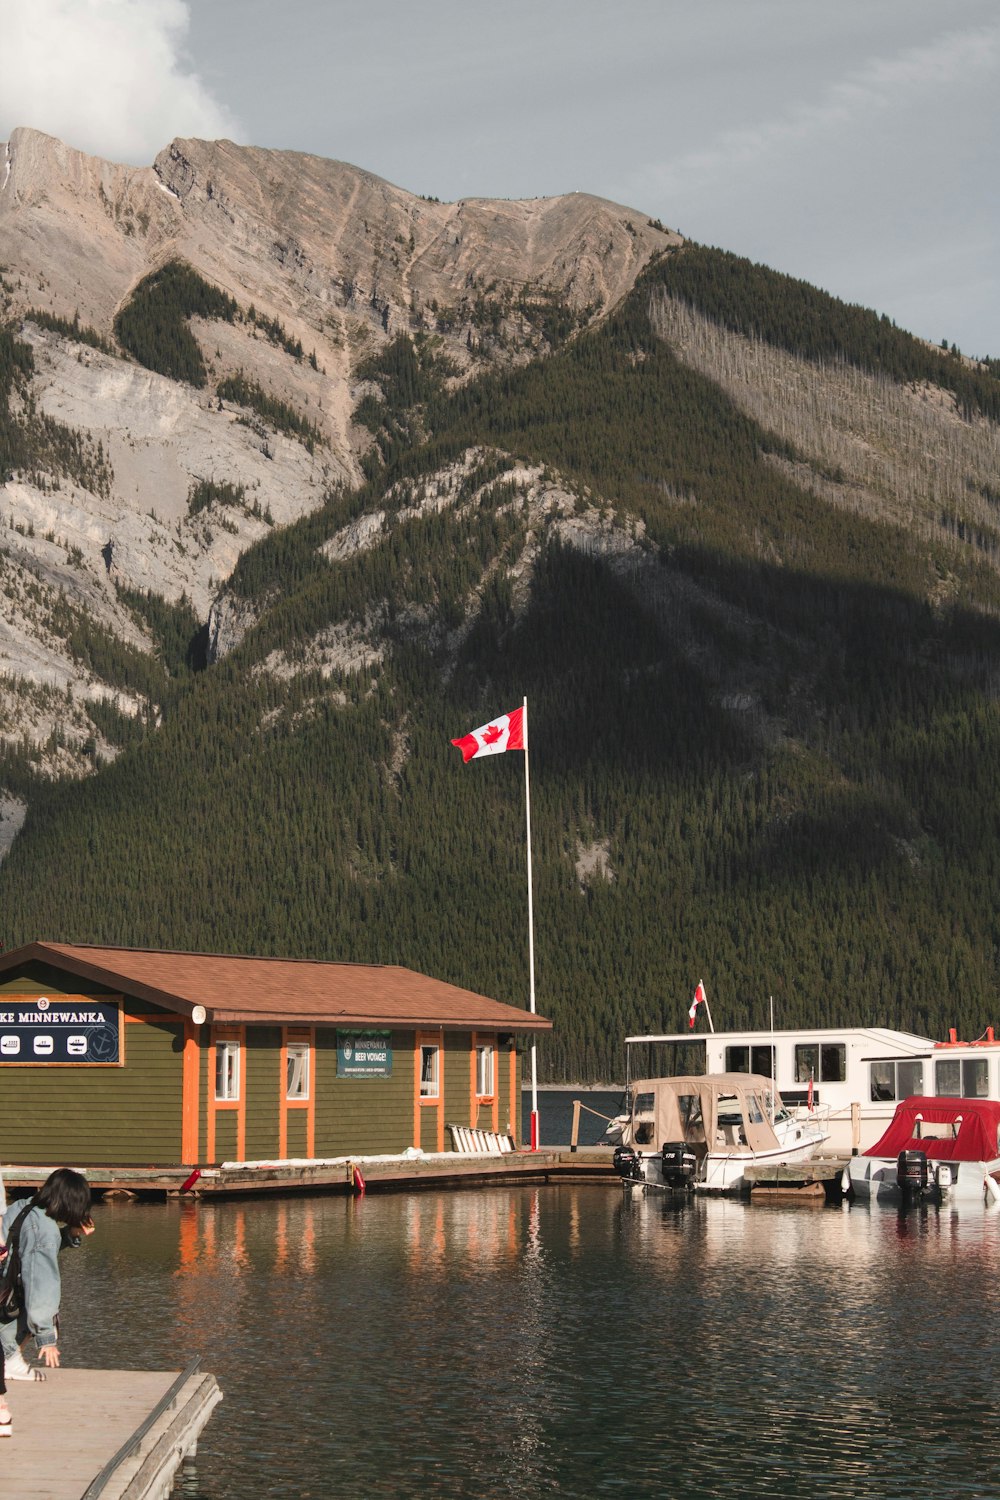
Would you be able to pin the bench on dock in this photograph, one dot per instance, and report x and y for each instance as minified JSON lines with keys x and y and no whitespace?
{"x":471,"y":1142}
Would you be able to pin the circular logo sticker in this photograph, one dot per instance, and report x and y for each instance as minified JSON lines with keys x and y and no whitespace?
{"x":43,"y":1003}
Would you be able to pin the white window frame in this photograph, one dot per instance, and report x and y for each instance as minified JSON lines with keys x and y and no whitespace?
{"x":297,"y":1071}
{"x":485,"y":1070}
{"x":430,"y":1077}
{"x":227,"y":1071}
{"x":891,"y":1067}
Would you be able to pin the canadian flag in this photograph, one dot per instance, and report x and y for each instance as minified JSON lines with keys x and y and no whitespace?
{"x":699,"y":999}
{"x":503,"y":733}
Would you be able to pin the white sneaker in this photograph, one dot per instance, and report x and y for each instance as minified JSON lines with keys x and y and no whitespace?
{"x":16,"y":1367}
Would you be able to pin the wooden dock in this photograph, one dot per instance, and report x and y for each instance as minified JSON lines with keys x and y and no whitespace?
{"x":815,"y":1181}
{"x":113,"y":1434}
{"x":381,"y":1174}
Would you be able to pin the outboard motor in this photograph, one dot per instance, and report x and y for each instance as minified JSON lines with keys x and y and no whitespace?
{"x":627,"y":1164}
{"x":945,"y":1176}
{"x":911,"y":1172}
{"x":677,"y":1163}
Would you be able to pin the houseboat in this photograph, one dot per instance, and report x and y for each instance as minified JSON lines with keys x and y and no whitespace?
{"x":852,"y":1077}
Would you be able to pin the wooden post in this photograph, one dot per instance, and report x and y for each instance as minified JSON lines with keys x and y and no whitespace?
{"x":855,"y":1128}
{"x":576,"y":1125}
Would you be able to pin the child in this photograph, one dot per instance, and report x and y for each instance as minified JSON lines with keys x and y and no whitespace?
{"x":57,"y":1215}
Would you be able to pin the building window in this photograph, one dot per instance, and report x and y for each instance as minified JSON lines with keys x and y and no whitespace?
{"x":745,"y":1059}
{"x":227,"y":1070}
{"x":297,"y":1071}
{"x":964,"y":1078}
{"x":484,"y":1071}
{"x":892,"y":1080}
{"x":429,"y":1072}
{"x":824,"y":1062}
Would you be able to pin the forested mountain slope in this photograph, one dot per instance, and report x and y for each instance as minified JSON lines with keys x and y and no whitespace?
{"x":182,"y":367}
{"x":746,"y":576}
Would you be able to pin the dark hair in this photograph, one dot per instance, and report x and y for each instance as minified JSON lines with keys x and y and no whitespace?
{"x":65,"y":1195}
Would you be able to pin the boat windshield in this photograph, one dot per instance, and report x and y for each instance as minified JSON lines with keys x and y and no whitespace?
{"x":689,"y":1106}
{"x":643,"y":1106}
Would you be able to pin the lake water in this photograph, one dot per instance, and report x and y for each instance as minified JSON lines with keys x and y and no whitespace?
{"x":555,"y":1114}
{"x":559,"y":1340}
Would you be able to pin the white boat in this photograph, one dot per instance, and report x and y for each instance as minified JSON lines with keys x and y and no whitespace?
{"x":850,"y":1077}
{"x":704,"y":1131}
{"x":948,"y":1148}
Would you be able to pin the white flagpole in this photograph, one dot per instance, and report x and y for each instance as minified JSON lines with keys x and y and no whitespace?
{"x":531,"y":937}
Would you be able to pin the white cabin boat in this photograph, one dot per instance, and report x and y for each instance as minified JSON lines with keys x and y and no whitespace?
{"x":704,"y":1131}
{"x":850,"y":1077}
{"x":948,"y":1148}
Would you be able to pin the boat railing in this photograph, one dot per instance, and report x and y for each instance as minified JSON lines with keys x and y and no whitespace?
{"x":824,"y":1113}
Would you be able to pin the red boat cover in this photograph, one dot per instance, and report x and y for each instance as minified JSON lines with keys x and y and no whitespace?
{"x":929,"y":1125}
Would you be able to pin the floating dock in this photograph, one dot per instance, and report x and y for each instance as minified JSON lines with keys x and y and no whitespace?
{"x":113,"y":1434}
{"x":382,"y":1174}
{"x":817,"y":1181}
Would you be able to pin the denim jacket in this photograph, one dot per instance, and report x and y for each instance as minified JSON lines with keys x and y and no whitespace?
{"x":41,"y":1241}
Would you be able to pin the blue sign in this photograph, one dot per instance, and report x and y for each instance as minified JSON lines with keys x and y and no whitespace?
{"x":364,"y":1054}
{"x":64,"y":1029}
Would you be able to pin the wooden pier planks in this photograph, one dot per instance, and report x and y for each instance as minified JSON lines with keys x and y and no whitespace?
{"x":388,"y":1174}
{"x":67,"y":1428}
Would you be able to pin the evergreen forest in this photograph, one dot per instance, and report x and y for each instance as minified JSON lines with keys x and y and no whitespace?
{"x":764,"y":738}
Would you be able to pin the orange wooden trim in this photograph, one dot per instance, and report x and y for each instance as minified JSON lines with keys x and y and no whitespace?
{"x":282,"y":1101}
{"x":485,"y":1039}
{"x":440,"y":1115}
{"x":473,"y":1080}
{"x":228,"y":1034}
{"x":241,"y":1118}
{"x":210,"y":1098}
{"x":306,"y":1036}
{"x":515,"y":1113}
{"x":311,"y":1112}
{"x":428,"y":1039}
{"x":146,"y":1019}
{"x":189,"y":1096}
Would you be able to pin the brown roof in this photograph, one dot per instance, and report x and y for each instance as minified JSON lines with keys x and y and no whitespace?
{"x":280,"y":989}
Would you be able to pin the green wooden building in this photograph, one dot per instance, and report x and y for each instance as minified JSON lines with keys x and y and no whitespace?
{"x":131,"y":1057}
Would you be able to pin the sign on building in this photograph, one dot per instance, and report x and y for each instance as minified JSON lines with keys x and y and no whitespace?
{"x":64,"y":1029}
{"x":364,"y":1054}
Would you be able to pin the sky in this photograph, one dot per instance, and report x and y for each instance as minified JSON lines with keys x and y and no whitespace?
{"x":855,"y":143}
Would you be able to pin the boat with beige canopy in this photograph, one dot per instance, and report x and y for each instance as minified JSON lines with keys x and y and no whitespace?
{"x":704,"y":1131}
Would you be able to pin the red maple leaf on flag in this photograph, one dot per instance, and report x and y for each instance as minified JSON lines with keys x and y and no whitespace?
{"x":491,"y":734}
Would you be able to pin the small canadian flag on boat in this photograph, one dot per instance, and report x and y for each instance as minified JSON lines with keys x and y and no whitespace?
{"x":699,"y":999}
{"x":503,"y":733}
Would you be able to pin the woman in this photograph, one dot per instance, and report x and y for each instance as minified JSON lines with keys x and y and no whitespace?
{"x":55,"y":1218}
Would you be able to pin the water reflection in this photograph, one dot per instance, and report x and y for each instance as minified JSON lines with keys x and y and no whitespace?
{"x":558,"y":1340}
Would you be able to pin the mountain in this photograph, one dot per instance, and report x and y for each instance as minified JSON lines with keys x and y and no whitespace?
{"x":314,"y":267}
{"x":407,"y":462}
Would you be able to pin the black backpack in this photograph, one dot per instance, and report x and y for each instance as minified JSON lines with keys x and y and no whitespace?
{"x":11,"y":1285}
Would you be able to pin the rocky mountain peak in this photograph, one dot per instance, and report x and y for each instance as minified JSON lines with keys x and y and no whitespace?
{"x":324,"y":264}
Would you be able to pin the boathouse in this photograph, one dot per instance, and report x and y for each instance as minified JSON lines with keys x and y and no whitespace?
{"x":125,"y":1056}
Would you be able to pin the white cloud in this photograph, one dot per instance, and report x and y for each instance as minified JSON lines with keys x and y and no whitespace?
{"x":107,"y":76}
{"x":851,"y":104}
